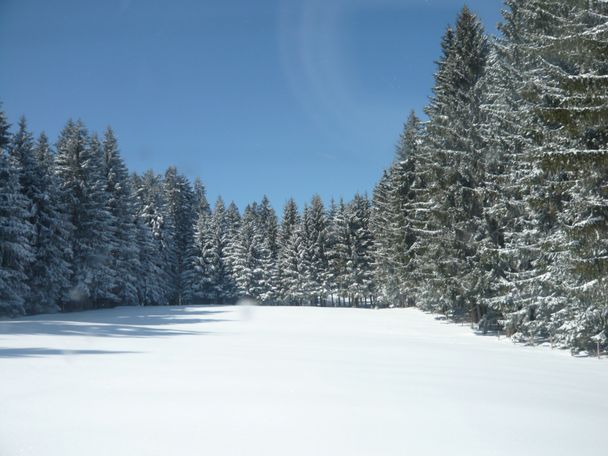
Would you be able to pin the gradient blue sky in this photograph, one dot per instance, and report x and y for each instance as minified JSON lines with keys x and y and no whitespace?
{"x":277,"y":97}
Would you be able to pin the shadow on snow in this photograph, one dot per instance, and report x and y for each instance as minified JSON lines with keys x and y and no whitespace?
{"x":38,"y":352}
{"x":124,"y":322}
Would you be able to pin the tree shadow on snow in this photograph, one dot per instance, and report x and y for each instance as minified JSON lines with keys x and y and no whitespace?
{"x":122,"y":322}
{"x":38,"y":352}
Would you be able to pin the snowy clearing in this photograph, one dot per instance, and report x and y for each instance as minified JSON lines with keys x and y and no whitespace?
{"x":288,"y":381}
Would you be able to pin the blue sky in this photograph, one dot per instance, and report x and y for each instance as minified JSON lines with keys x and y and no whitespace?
{"x":277,"y":97}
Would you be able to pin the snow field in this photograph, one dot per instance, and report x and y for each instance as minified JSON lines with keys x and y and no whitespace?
{"x":229,"y":380}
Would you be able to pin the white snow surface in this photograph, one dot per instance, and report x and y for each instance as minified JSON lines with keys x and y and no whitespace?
{"x":228,"y":380}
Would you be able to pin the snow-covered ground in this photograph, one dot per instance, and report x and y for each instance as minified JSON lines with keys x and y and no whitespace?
{"x":288,"y":381}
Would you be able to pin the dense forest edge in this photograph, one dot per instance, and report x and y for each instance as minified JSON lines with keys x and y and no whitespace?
{"x":494,"y":210}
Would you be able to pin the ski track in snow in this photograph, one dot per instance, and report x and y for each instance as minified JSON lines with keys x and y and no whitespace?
{"x":229,"y":380}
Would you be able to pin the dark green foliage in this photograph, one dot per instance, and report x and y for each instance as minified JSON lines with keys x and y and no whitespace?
{"x":48,"y":275}
{"x":16,"y":254}
{"x":79,"y":167}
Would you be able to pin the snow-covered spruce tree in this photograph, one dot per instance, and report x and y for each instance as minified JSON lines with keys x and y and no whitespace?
{"x":123,"y":250}
{"x":150,"y":275}
{"x":294,"y":261}
{"x":306,"y":284}
{"x":5,"y":133}
{"x":454,"y":142}
{"x":330,"y":273}
{"x":385,"y":275}
{"x":394,"y":221}
{"x":340,"y":254}
{"x":79,"y":166}
{"x":513,"y":254}
{"x":48,"y":275}
{"x":289,"y":222}
{"x":179,"y":199}
{"x":533,"y":86}
{"x":51,"y":271}
{"x":198,"y":280}
{"x":247,"y":267}
{"x":316,"y":229}
{"x":223,"y":281}
{"x":269,"y":252}
{"x":359,"y":265}
{"x":566,"y":44}
{"x":412,"y":201}
{"x":21,"y":158}
{"x":16,"y":253}
{"x":426,"y":281}
{"x":211,"y":278}
{"x":191,"y":276}
{"x":150,"y":209}
{"x":201,"y":205}
{"x":233,"y":226}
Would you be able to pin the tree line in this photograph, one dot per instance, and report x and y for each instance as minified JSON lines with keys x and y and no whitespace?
{"x":79,"y":232}
{"x":494,"y":209}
